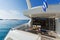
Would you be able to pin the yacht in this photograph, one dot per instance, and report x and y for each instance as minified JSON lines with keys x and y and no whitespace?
{"x":42,"y":25}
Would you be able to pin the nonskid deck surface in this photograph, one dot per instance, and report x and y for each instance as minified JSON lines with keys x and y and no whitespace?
{"x":22,"y":35}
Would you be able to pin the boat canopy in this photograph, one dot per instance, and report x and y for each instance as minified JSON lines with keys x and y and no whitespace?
{"x":52,"y":11}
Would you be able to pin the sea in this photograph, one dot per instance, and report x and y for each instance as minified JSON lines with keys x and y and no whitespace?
{"x":7,"y":24}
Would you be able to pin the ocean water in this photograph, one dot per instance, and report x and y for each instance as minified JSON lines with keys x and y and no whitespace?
{"x":6,"y":25}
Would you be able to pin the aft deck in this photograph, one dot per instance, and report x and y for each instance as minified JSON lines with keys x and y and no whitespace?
{"x":20,"y":33}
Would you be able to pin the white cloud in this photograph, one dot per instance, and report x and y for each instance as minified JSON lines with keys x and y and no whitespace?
{"x":12,"y":14}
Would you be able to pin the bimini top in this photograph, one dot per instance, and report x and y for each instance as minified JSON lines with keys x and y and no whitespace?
{"x":52,"y":11}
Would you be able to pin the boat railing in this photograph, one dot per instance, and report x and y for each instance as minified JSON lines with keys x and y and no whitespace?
{"x":21,"y":27}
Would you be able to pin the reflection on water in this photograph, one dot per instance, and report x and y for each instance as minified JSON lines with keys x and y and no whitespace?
{"x":6,"y":25}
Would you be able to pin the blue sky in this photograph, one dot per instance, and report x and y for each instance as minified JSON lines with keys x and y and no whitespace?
{"x":13,"y":9}
{"x":40,"y":2}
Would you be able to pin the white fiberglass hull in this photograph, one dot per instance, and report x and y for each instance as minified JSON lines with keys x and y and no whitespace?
{"x":21,"y":35}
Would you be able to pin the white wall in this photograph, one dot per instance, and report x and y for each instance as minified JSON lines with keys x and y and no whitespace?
{"x":58,"y":26}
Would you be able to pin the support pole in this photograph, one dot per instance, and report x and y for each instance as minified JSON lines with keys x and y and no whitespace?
{"x":28,"y":4}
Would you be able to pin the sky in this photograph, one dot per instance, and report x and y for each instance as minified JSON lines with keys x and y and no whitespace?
{"x":13,"y":9}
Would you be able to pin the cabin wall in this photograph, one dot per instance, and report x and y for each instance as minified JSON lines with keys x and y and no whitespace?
{"x":58,"y":26}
